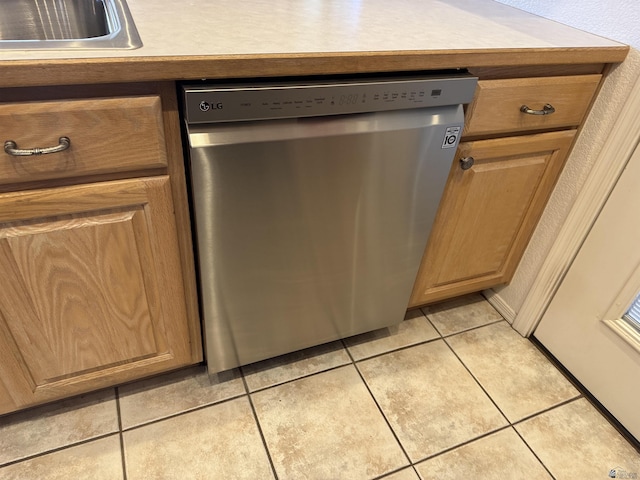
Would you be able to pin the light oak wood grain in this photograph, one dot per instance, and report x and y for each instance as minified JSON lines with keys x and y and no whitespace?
{"x":530,"y":71}
{"x":177,"y":174}
{"x":496,"y":106}
{"x":18,"y":73}
{"x":91,"y":292}
{"x":108,"y":135}
{"x":154,"y":223}
{"x":488,"y":213}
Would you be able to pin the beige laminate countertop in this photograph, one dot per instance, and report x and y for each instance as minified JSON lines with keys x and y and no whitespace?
{"x":192,"y":39}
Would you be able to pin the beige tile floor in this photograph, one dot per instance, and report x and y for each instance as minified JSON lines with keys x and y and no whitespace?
{"x":451,"y":393}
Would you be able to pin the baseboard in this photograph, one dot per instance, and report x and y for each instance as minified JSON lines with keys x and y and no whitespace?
{"x":502,"y":307}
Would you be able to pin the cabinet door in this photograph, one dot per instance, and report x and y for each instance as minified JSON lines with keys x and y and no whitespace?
{"x":91,"y":289}
{"x":488,"y":213}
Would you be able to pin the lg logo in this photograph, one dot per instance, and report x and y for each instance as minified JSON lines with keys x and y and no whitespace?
{"x":205,"y":106}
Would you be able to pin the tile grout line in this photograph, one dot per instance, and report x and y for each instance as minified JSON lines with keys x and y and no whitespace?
{"x":477,"y":327}
{"x":248,"y":391}
{"x":564,"y":402}
{"x":353,"y":362}
{"x":462,"y":444}
{"x":511,"y":424}
{"x":395,"y":350}
{"x":426,"y":315}
{"x":558,"y":366}
{"x":486,"y":434}
{"x":183,"y":412}
{"x":589,"y":397}
{"x":262,"y":437}
{"x":313,"y":374}
{"x":548,"y":409}
{"x":533,"y":452}
{"x":442,"y":337}
{"x":559,"y":405}
{"x":433,"y":325}
{"x":487,"y":393}
{"x":476,"y":380}
{"x":415,"y":470}
{"x":58,"y":449}
{"x":67,"y":446}
{"x":121,"y":434}
{"x":393,"y":472}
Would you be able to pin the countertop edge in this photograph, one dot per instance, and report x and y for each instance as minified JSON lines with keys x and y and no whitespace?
{"x":21,"y":73}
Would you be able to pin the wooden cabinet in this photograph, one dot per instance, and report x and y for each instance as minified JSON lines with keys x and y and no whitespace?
{"x":488,"y":212}
{"x":108,"y":135}
{"x":496,"y":108}
{"x":96,"y":285}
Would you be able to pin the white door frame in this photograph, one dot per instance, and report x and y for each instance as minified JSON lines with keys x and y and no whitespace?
{"x":608,"y":166}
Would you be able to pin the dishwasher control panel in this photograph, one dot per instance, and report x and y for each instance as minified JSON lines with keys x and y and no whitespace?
{"x":246,"y":102}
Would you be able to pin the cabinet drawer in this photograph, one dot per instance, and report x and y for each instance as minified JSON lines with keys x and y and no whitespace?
{"x":497,"y":105}
{"x":108,"y":135}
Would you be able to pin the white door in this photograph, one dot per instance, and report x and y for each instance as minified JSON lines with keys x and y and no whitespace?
{"x":582,"y":327}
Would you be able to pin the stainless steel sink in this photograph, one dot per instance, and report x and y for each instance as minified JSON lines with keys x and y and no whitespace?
{"x":66,"y":24}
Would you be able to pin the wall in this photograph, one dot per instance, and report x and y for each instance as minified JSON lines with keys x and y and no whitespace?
{"x":615,"y":19}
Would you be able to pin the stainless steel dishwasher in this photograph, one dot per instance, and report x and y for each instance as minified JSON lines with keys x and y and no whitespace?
{"x":313,"y":202}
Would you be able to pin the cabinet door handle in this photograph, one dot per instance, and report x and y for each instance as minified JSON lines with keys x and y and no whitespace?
{"x":11,"y":148}
{"x":466,"y":163}
{"x":547,"y":109}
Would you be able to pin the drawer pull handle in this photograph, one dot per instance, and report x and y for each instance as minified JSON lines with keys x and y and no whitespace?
{"x":466,"y":163}
{"x":546,"y":110}
{"x":10,"y":147}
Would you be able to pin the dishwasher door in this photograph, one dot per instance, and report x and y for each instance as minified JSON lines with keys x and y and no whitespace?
{"x":310,"y":230}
